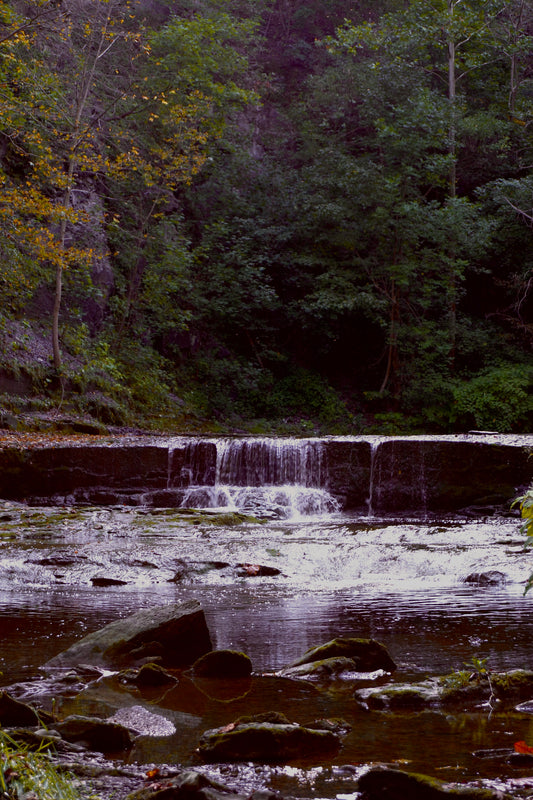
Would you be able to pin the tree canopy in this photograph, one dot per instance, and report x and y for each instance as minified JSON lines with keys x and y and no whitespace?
{"x":296,"y":215}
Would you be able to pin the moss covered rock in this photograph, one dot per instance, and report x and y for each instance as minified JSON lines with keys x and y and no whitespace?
{"x":266,"y":741}
{"x":367,"y":654}
{"x":328,"y":669}
{"x":96,"y":734}
{"x":458,"y":689}
{"x":381,"y":783}
{"x":223,"y":664}
{"x":176,"y":635}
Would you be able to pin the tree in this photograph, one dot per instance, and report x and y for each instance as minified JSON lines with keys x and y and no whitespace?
{"x":107,"y":102}
{"x":413,"y":64}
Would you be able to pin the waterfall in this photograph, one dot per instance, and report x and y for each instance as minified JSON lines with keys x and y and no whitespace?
{"x":266,"y":477}
{"x":271,"y":462}
{"x":370,"y":502}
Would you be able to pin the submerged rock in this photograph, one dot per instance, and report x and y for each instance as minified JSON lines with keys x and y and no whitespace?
{"x":223,"y":664}
{"x":381,"y":782}
{"x":175,"y":635}
{"x":367,"y":655}
{"x":266,"y":741}
{"x":399,"y":695}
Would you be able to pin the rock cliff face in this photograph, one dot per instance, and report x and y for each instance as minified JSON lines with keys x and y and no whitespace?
{"x":379,"y":476}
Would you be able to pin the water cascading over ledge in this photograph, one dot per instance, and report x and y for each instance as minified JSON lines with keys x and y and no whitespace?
{"x":369,"y":475}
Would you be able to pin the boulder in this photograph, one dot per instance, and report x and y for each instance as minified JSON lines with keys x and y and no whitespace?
{"x":96,"y":734}
{"x":223,"y":664}
{"x":14,"y":713}
{"x":175,"y":635}
{"x":381,"y":782}
{"x":367,"y":654}
{"x":267,"y":741}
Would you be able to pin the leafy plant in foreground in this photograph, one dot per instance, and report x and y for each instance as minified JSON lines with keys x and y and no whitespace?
{"x":525,"y":503}
{"x":24,"y":773}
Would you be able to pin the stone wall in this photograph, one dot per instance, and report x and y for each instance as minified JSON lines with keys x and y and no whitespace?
{"x":381,"y":475}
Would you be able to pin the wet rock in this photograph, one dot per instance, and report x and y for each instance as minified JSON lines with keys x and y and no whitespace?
{"x":513,"y":686}
{"x":102,"y":580}
{"x":175,"y":634}
{"x":38,"y":740}
{"x":491,"y":578}
{"x":191,"y":786}
{"x":14,"y":713}
{"x":432,"y":474}
{"x":96,"y":734}
{"x":223,"y":664}
{"x":326,"y":670}
{"x":400,"y":696}
{"x":526,"y":707}
{"x":149,"y":674}
{"x":457,"y":689}
{"x":46,"y":471}
{"x":337,"y":726}
{"x":187,"y":570}
{"x":381,"y":782}
{"x":367,"y":655}
{"x":266,"y":741}
{"x":256,"y":570}
{"x":164,"y":498}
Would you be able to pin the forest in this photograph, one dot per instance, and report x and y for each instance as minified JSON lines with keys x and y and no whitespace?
{"x":290,"y":216}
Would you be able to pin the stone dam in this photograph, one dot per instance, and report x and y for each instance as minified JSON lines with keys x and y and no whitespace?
{"x":372,"y":475}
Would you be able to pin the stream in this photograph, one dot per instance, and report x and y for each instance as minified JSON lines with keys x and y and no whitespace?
{"x":412,"y":584}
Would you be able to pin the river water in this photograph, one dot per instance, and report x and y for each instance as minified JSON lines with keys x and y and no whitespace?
{"x":405,"y":582}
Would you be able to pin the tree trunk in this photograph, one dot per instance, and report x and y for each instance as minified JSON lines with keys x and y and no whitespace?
{"x":452,"y":189}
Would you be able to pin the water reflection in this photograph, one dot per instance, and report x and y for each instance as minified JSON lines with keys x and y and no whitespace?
{"x":425,"y":631}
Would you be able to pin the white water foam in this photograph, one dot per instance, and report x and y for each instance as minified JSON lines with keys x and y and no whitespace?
{"x":272,"y":478}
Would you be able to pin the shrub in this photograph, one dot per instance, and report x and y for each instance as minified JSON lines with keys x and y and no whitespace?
{"x":498,"y":399}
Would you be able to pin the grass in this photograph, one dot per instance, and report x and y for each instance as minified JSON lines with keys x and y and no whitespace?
{"x":28,"y":774}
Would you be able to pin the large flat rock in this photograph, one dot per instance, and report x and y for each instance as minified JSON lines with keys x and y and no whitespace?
{"x":175,"y":635}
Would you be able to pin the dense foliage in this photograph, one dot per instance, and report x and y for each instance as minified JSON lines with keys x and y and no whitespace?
{"x":260,"y":213}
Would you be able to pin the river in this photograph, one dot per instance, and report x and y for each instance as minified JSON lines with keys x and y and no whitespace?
{"x":403,"y":581}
